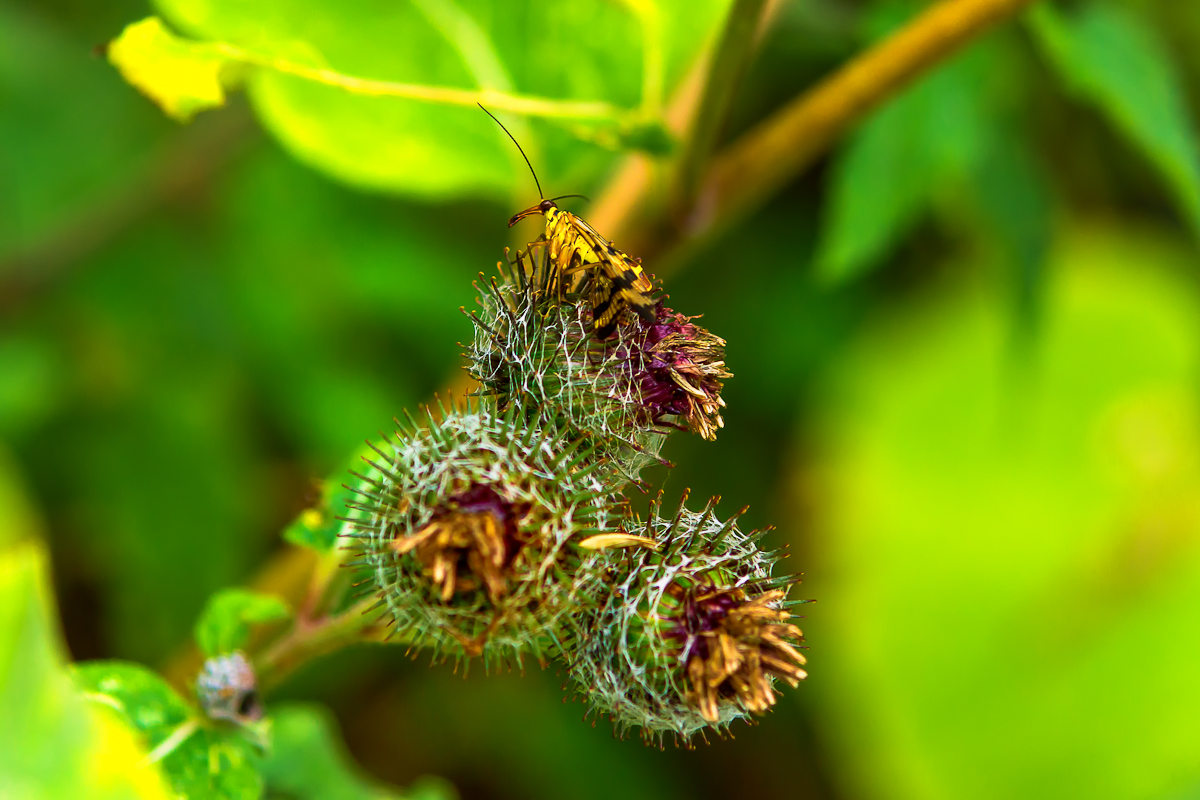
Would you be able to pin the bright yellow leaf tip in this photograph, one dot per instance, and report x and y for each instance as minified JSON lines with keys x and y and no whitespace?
{"x":181,"y":76}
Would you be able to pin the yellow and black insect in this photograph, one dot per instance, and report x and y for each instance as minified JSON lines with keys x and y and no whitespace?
{"x":615,"y":281}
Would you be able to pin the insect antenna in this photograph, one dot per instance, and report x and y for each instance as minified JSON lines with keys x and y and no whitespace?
{"x":518,"y":144}
{"x":561,"y":196}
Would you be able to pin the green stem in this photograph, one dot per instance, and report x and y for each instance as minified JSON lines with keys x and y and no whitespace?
{"x":725,"y":72}
{"x":309,"y":639}
{"x":329,"y":583}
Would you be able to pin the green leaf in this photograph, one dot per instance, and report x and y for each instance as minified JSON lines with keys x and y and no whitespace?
{"x":928,"y":138}
{"x":309,"y":762}
{"x":224,"y":626}
{"x":182,"y":77}
{"x":53,"y":743}
{"x":621,"y":56}
{"x":1113,"y":59}
{"x":314,"y":528}
{"x":202,"y":761}
{"x":650,"y":136}
{"x":1011,"y":558}
{"x":318,"y":527}
{"x":881,"y":184}
{"x":1013,"y":195}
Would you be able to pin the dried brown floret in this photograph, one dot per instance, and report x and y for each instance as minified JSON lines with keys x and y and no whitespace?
{"x":682,"y":371}
{"x":734,"y":646}
{"x":470,"y":543}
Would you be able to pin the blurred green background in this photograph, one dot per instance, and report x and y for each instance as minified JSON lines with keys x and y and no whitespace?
{"x":966,"y":349}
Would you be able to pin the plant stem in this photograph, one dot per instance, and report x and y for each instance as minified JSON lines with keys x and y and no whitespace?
{"x":725,"y":73}
{"x":743,"y":176}
{"x":766,"y":158}
{"x":309,"y":639}
{"x":762,"y":161}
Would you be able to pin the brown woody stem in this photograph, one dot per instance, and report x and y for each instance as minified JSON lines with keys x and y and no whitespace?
{"x":752,"y":169}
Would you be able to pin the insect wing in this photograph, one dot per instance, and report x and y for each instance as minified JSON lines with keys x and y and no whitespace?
{"x":613,"y":279}
{"x":610,"y":295}
{"x":607,"y":305}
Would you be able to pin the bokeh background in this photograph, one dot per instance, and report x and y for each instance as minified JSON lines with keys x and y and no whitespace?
{"x":966,"y":348}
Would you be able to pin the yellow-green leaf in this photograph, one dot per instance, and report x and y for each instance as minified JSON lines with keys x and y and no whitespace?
{"x":53,"y":743}
{"x":201,"y":761}
{"x":379,"y":99}
{"x":1010,"y":558}
{"x":181,"y":76}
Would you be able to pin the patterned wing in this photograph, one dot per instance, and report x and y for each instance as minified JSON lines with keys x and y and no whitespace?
{"x":619,"y":282}
{"x":615,"y":281}
{"x":607,"y":306}
{"x":618,"y":261}
{"x":612,"y":291}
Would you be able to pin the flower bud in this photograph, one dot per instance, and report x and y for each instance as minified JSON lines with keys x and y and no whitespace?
{"x":469,"y":528}
{"x":228,"y":689}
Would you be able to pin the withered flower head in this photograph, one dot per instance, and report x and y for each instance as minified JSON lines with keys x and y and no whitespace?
{"x":534,"y":348}
{"x":732,"y":647}
{"x":470,"y":525}
{"x":228,"y":689}
{"x":690,"y":635}
{"x":682,"y":371}
{"x":470,"y":541}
